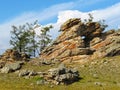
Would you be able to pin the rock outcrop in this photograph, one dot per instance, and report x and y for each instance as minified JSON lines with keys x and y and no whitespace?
{"x":13,"y":55}
{"x":11,"y":60}
{"x":80,"y":42}
{"x":107,"y":45}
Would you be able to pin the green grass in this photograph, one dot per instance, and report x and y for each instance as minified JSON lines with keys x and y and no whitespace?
{"x":105,"y":71}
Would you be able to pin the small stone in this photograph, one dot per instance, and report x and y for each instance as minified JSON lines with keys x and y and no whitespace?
{"x":32,"y":73}
{"x":27,"y":77}
{"x":53,"y":71}
{"x":17,"y":72}
{"x":40,"y":82}
{"x":98,"y":83}
{"x":51,"y":86}
{"x":32,"y":84}
{"x":24,"y":73}
{"x":95,"y":76}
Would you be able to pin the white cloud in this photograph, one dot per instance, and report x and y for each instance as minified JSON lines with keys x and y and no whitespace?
{"x":110,"y":14}
{"x":32,"y":16}
{"x":29,"y":17}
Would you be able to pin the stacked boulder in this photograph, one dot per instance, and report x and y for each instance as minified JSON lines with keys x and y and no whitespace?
{"x":13,"y":55}
{"x":61,"y":75}
{"x":80,"y":42}
{"x":11,"y":61}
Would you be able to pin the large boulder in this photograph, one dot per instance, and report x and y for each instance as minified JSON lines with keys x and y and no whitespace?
{"x":11,"y":67}
{"x":70,"y":23}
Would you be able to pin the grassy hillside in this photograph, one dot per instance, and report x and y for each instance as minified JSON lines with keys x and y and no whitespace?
{"x":100,"y":74}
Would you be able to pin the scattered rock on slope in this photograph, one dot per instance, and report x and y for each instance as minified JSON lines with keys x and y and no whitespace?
{"x":61,"y":75}
{"x":26,"y":72}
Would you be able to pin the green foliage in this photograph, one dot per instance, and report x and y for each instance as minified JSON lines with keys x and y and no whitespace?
{"x":103,"y":25}
{"x":90,"y":17}
{"x":38,"y":78}
{"x":44,"y":37}
{"x":32,"y":39}
{"x":20,"y":38}
{"x":101,"y":22}
{"x":24,"y":38}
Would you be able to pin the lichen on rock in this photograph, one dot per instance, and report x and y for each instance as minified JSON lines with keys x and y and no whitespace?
{"x":79,"y":39}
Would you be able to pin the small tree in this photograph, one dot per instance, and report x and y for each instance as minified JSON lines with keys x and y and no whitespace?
{"x":19,"y":38}
{"x":23,"y":38}
{"x":90,"y":17}
{"x":44,"y":37}
{"x":103,"y":25}
{"x":101,"y":22}
{"x":33,"y":42}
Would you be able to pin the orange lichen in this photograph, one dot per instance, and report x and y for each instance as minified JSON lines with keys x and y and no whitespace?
{"x":71,"y":46}
{"x":102,"y":44}
{"x":66,"y":43}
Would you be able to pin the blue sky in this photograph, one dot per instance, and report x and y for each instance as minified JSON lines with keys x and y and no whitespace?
{"x":12,"y":8}
{"x":55,"y":12}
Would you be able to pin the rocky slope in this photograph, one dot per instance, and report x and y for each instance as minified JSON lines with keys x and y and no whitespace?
{"x":80,"y":42}
{"x":11,"y":60}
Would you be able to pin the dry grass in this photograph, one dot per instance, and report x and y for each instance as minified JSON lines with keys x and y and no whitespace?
{"x":101,"y":74}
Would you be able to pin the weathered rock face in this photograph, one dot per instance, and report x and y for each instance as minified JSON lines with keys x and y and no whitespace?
{"x":11,"y":60}
{"x":13,"y":55}
{"x":107,"y":45}
{"x":81,"y":41}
